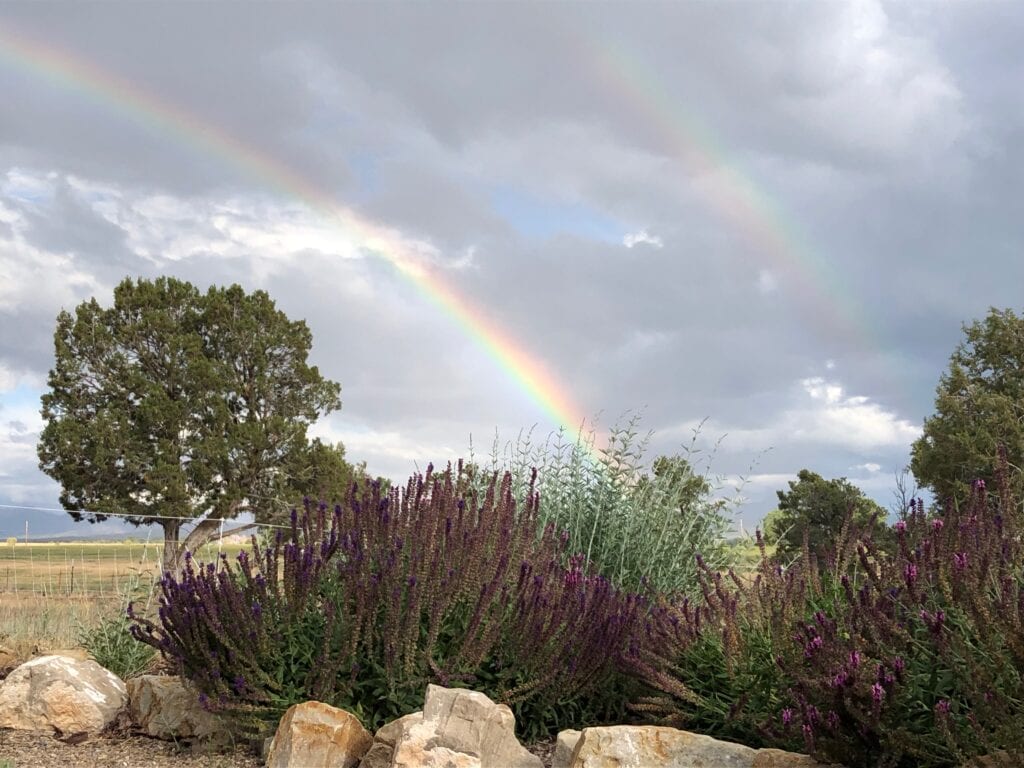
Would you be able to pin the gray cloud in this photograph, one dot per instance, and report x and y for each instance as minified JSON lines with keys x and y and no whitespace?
{"x":828,"y":182}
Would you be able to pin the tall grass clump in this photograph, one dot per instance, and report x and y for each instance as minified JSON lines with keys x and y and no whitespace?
{"x":639,"y":523}
{"x":913,"y":657}
{"x":362,"y":607}
{"x":110,"y":641}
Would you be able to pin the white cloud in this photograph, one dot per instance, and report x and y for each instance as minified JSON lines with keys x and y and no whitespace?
{"x":821,"y":414}
{"x":767,"y":282}
{"x":872,"y":86}
{"x":869,"y":466}
{"x":390,"y":453}
{"x":632,"y":239}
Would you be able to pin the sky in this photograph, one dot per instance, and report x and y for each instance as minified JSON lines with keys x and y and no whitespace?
{"x":765,"y":222}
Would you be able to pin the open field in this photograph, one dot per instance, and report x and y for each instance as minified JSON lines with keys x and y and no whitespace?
{"x":86,"y":569}
{"x":50,"y":592}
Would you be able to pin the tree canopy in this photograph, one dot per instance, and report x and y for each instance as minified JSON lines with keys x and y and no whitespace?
{"x":979,"y":407}
{"x":175,"y":404}
{"x":818,"y":508}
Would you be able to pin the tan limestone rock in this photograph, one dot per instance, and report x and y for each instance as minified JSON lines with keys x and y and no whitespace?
{"x":317,"y":735}
{"x":8,"y":660}
{"x":625,"y":746}
{"x":57,"y":693}
{"x":565,"y":744}
{"x":384,"y":740}
{"x":461,"y":729}
{"x":163,"y":707}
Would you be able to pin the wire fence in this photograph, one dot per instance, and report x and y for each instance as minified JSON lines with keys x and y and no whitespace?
{"x":97,"y":569}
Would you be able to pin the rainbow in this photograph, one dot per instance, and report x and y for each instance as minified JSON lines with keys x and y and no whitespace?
{"x":734,"y":195}
{"x":772,"y":237}
{"x":66,"y":70}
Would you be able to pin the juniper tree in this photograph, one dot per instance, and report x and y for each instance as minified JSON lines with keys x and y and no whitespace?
{"x":174,"y":405}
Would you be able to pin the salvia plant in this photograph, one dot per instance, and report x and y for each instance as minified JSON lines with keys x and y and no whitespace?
{"x":363,"y":606}
{"x":906,"y":658}
{"x":638,"y":522}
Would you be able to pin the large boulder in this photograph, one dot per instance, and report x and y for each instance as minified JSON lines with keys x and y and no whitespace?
{"x":461,"y":729}
{"x":317,"y":735}
{"x":58,"y":693}
{"x":385,"y":739}
{"x":165,"y":708}
{"x":627,"y":746}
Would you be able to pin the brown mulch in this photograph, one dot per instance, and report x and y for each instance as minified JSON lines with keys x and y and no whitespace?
{"x":119,"y":749}
{"x":545,"y":750}
{"x":24,"y":749}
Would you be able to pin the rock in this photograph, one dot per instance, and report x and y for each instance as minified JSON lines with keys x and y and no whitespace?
{"x":384,"y":740}
{"x":625,"y":746}
{"x":564,"y":746}
{"x":317,"y":735}
{"x":163,"y":707}
{"x":79,"y":654}
{"x":8,"y":660}
{"x":461,"y":729}
{"x":57,"y":693}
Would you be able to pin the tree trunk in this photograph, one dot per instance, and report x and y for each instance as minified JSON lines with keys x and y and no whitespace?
{"x":205,"y":531}
{"x":172,"y":557}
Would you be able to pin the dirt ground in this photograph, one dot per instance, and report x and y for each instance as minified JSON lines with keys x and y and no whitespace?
{"x":21,"y":749}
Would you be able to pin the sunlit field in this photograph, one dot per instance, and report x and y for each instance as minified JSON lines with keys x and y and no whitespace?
{"x":51,"y":591}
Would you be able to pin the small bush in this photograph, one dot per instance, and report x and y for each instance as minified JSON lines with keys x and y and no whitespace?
{"x":637,"y":523}
{"x":112,"y":645}
{"x":364,"y":607}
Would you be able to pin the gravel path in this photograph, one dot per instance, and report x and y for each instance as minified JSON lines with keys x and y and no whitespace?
{"x":23,"y":749}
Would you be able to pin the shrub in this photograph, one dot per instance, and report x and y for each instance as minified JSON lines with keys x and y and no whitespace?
{"x":639,"y":525}
{"x":113,"y":647}
{"x":364,"y":607}
{"x":913,"y":659}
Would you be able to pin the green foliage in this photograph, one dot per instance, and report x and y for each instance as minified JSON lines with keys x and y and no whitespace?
{"x":640,"y":526}
{"x":818,"y":509}
{"x":979,"y":406}
{"x":911,"y":657}
{"x":111,"y":644}
{"x":363,"y":608}
{"x":177,"y":403}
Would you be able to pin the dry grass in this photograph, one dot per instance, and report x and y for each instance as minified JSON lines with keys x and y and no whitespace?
{"x":50,"y":592}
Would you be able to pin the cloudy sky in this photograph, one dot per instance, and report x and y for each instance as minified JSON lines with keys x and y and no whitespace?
{"x":772,"y":216}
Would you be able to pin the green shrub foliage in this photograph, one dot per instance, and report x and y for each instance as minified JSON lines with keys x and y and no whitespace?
{"x":363,"y":607}
{"x":111,"y":644}
{"x":909,"y":659}
{"x":638,"y":524}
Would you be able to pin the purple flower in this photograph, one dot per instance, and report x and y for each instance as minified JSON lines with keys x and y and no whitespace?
{"x":937,"y":525}
{"x":901,"y":527}
{"x":910,"y":574}
{"x":898,"y":664}
{"x":854,"y":659}
{"x":787,"y":716}
{"x":960,"y":560}
{"x":877,"y":693}
{"x":942,"y":708}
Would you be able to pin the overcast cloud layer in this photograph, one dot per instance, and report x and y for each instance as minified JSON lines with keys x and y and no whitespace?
{"x":774,"y":217}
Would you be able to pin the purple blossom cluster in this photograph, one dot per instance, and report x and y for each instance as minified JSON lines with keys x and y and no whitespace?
{"x":363,"y":605}
{"x":909,"y":655}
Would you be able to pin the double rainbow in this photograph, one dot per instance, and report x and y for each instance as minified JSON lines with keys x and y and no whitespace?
{"x":734,"y":195}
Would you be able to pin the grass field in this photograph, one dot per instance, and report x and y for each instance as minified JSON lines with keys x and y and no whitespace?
{"x":50,"y":591}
